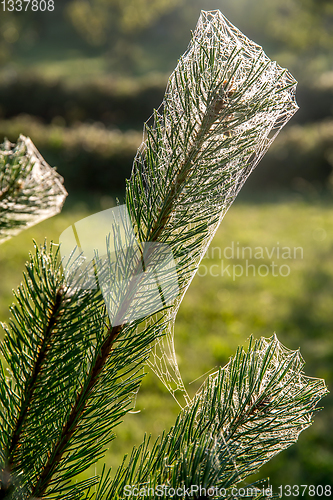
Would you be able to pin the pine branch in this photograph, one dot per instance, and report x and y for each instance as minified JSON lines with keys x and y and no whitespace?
{"x":36,"y":369}
{"x":66,"y":360}
{"x":224,"y":105}
{"x":30,"y":190}
{"x":219,"y":102}
{"x":37,"y":346}
{"x":104,"y":354}
{"x":76,"y":413}
{"x":252,"y":409}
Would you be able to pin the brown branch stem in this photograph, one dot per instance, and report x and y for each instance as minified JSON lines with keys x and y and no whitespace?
{"x":78,"y":408}
{"x":55,"y":311}
{"x":212,"y":113}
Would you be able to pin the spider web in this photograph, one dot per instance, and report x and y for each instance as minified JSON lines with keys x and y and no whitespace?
{"x":265,"y":409}
{"x":30,"y":190}
{"x":225,"y":103}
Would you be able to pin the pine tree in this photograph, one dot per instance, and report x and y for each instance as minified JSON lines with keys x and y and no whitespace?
{"x":73,"y":353}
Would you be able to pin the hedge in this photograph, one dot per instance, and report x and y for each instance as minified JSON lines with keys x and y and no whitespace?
{"x":123,"y":103}
{"x":90,"y":157}
{"x":300,"y":157}
{"x":94,"y":158}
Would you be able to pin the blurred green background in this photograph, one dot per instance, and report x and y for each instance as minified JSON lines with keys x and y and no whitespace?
{"x":81,"y":80}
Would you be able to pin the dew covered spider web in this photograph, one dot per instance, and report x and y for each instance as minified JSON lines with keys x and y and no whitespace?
{"x":225,"y":103}
{"x":263,"y":402}
{"x":30,"y":189}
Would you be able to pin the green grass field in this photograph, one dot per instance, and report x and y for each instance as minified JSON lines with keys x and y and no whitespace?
{"x":220,"y":312}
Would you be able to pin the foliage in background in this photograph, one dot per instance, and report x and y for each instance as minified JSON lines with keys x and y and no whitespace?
{"x":99,"y":21}
{"x":132,"y":33}
{"x":55,"y":75}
